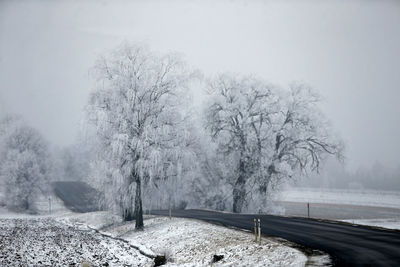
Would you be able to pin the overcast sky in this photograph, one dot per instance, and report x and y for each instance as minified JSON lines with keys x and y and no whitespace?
{"x":347,"y":50}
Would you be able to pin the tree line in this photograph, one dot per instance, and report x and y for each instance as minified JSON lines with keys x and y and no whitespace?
{"x":148,"y":147}
{"x":249,"y":136}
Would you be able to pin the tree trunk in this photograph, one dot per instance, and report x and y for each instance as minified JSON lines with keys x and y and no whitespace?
{"x":127,"y":208}
{"x":239,"y":190}
{"x":264,"y":189}
{"x":138,"y":204}
{"x":128,"y":214}
{"x":264,"y":185}
{"x":264,"y":195}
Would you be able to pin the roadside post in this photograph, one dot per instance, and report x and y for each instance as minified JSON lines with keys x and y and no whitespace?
{"x":255,"y":230}
{"x":50,"y":205}
{"x":170,"y":213}
{"x":308,"y":209}
{"x":259,"y":231}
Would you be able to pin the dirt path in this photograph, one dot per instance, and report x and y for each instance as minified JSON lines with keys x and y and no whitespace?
{"x":47,"y":242}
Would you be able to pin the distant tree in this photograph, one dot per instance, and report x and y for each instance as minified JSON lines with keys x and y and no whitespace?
{"x":210,"y":186}
{"x":8,"y":123}
{"x":24,"y":163}
{"x":134,"y":108}
{"x":265,"y":133}
{"x":73,"y":162}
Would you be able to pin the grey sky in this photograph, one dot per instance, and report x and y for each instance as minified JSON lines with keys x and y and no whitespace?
{"x":348,"y":50}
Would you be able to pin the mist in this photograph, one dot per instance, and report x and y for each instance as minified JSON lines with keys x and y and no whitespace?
{"x":194,"y":132}
{"x":346,"y":50}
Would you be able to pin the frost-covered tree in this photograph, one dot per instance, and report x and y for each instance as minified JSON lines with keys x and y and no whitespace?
{"x":135,"y":110}
{"x":24,"y":163}
{"x":265,"y":134}
{"x":169,"y":188}
{"x":7,"y":125}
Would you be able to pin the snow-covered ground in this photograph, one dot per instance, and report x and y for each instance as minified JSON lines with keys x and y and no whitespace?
{"x":390,"y":199}
{"x":189,"y":242}
{"x":44,"y":204}
{"x":45,"y":241}
{"x":385,"y":211}
{"x":65,"y":238}
{"x":391,"y":223}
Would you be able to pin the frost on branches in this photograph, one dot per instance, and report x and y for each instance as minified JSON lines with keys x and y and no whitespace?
{"x":24,"y":163}
{"x":135,"y":110}
{"x":265,"y":134}
{"x":255,"y":136}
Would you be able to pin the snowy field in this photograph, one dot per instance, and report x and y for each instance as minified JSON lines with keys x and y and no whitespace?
{"x":44,"y":204}
{"x":64,"y":238}
{"x":391,"y":223}
{"x":188,"y":242}
{"x":366,"y":207}
{"x":102,"y":239}
{"x":47,"y":242}
{"x":390,"y":199}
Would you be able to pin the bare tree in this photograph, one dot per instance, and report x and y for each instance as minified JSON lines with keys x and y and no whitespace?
{"x":267,"y":134}
{"x":134,"y":109}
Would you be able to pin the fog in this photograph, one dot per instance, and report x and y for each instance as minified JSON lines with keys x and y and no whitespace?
{"x":347,"y":50}
{"x":155,"y":118}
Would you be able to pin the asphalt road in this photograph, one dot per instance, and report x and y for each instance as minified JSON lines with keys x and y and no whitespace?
{"x":77,"y":196}
{"x":347,"y":245}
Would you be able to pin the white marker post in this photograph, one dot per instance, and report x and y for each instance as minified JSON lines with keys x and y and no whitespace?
{"x":255,"y":230}
{"x":50,"y":205}
{"x":259,"y":231}
{"x":170,"y":213}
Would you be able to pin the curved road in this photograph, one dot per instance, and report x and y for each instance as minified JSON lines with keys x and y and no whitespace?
{"x":348,"y":245}
{"x":77,"y":196}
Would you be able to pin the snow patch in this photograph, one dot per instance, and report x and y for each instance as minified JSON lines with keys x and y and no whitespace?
{"x":391,"y":223}
{"x":390,"y":199}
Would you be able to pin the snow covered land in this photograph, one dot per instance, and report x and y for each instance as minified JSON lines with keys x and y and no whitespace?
{"x":102,"y":239}
{"x":188,"y":242}
{"x":390,"y":223}
{"x":47,"y":242}
{"x":365,"y":207}
{"x":114,"y":108}
{"x":374,"y":198}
